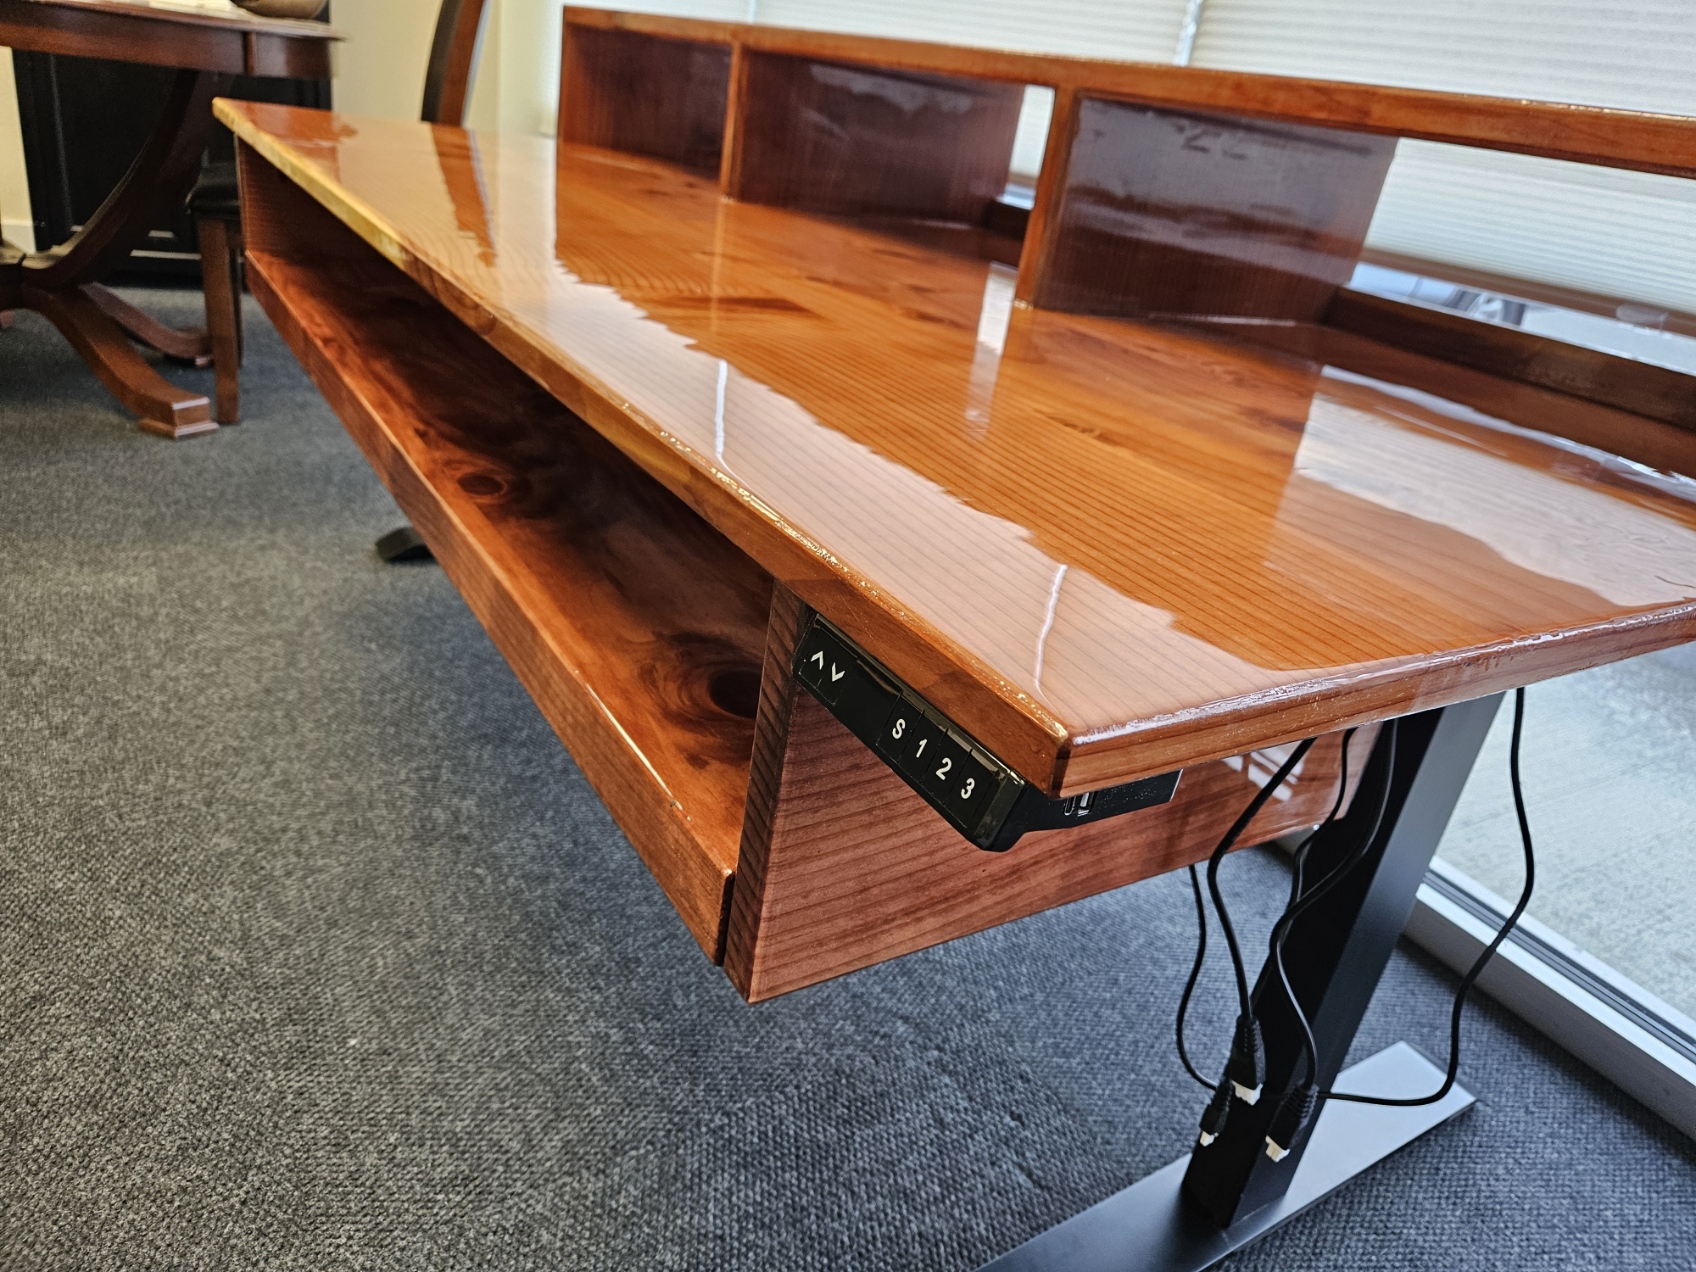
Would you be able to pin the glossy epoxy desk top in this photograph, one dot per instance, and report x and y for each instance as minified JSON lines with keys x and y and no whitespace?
{"x":1106,"y":548}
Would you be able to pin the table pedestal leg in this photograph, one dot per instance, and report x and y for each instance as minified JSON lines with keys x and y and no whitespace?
{"x":1199,"y":1209}
{"x":62,"y":283}
{"x":163,"y":408}
{"x":191,"y":344}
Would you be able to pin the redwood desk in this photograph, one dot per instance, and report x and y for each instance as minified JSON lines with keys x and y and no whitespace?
{"x":649,"y":432}
{"x":207,"y":49}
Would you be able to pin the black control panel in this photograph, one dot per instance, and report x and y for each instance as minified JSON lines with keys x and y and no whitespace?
{"x":976,"y":793}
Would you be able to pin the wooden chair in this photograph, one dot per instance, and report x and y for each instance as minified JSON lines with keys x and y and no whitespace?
{"x":216,"y":205}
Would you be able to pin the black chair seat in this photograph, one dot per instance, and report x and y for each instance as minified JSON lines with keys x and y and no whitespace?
{"x":215,"y":195}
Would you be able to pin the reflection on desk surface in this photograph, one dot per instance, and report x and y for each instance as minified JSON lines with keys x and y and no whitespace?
{"x":1127,"y":524}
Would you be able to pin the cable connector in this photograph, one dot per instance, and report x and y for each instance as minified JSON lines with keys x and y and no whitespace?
{"x":1213,"y":1117}
{"x":1246,"y":1069}
{"x":1295,"y":1111}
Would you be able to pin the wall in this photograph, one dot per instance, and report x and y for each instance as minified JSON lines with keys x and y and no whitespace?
{"x":15,"y":221}
{"x":380,"y":64}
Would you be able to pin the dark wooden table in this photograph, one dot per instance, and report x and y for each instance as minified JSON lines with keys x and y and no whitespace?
{"x":207,"y":48}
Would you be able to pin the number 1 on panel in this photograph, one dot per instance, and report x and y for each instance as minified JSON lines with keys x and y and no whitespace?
{"x":921,"y":749}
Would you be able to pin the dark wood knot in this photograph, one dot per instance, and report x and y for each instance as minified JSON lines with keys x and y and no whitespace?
{"x":736,"y":691}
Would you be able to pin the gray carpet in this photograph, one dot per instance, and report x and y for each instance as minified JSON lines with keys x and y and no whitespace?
{"x":316,"y":951}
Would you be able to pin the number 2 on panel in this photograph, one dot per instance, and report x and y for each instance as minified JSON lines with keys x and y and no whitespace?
{"x":947,"y":763}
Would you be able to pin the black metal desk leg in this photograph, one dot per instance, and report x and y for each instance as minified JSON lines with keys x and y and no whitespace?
{"x":1201,"y":1208}
{"x":404,"y":544}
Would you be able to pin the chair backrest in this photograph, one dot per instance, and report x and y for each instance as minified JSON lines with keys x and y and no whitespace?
{"x":453,"y":58}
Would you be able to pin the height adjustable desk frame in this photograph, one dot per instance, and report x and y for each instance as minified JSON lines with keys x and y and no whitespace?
{"x":1226,"y":1194}
{"x":746,"y":348}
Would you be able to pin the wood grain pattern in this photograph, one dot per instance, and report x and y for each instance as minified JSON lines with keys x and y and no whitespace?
{"x":1165,"y":213}
{"x":778,"y":691}
{"x":1155,"y":213}
{"x":462,"y":174}
{"x":843,"y":866}
{"x":636,"y":628}
{"x":1583,"y":134}
{"x":660,"y":97}
{"x":599,"y":586}
{"x":850,"y":140}
{"x":1640,"y":387}
{"x":1042,"y":230}
{"x":1601,"y":429}
{"x":1107,"y":549}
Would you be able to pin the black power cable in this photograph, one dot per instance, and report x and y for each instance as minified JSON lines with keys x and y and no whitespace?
{"x":1201,"y":910}
{"x":1300,"y":902}
{"x":1246,"y":1067}
{"x":1195,"y":974}
{"x":1490,"y":949}
{"x":1301,"y":1102}
{"x":1299,"y":857}
{"x":1245,"y":1071}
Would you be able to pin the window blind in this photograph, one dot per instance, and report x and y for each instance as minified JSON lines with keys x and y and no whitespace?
{"x":1625,"y":234}
{"x":1135,"y":30}
{"x":713,"y":10}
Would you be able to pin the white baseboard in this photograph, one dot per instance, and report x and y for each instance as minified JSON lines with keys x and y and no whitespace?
{"x":1616,"y":1027}
{"x":19,"y":233}
{"x":1644,"y":1046}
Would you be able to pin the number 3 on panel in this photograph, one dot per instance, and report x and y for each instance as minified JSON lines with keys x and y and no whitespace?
{"x":966,"y":793}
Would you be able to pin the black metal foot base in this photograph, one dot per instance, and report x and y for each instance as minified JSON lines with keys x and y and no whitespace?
{"x":1149,"y":1228}
{"x":405,"y":544}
